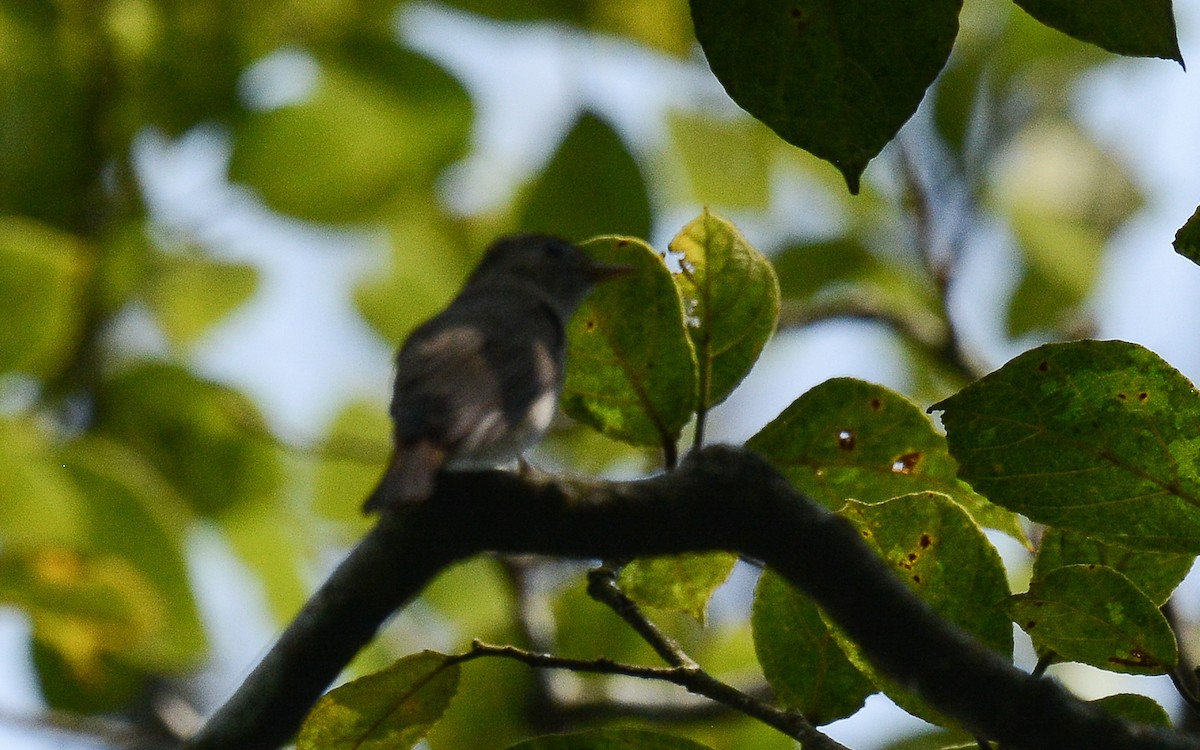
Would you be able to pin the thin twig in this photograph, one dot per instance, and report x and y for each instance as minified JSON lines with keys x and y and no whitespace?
{"x":602,"y":586}
{"x":939,"y":262}
{"x":691,"y":678}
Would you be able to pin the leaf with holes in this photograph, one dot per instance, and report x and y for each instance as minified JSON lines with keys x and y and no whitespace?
{"x":391,"y":708}
{"x":936,"y":549}
{"x":849,"y":439}
{"x":1100,"y":437}
{"x":1094,"y":615}
{"x":732,"y":299}
{"x":631,"y":368}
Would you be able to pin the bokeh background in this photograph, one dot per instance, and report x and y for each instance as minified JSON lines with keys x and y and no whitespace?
{"x":217,"y":220}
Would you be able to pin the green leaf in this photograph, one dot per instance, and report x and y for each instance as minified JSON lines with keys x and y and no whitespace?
{"x":133,"y":514}
{"x":591,"y":187}
{"x":207,"y":440}
{"x":800,"y":657}
{"x":47,"y":154}
{"x":279,"y":545}
{"x":1094,"y":615}
{"x":1187,"y":239}
{"x":731,"y":296}
{"x":610,"y":739}
{"x":190,"y":293}
{"x":43,"y":302}
{"x":111,"y":599}
{"x":631,"y":368}
{"x":393,"y":708}
{"x":824,"y":279}
{"x":1135,"y":707}
{"x":42,"y":506}
{"x":939,"y":552}
{"x":1145,"y":28}
{"x":426,"y":266}
{"x":1155,"y":573}
{"x":75,"y":677}
{"x":680,"y":583}
{"x":91,"y":616}
{"x":726,"y":162}
{"x":174,"y":64}
{"x":825,"y":74}
{"x":353,"y":458}
{"x":1099,"y":437}
{"x":1065,"y":196}
{"x":376,"y":126}
{"x":847,"y":439}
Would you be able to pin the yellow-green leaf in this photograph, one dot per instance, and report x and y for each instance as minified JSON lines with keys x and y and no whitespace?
{"x":393,"y":708}
{"x":731,"y":297}
{"x":680,"y":583}
{"x":190,"y":293}
{"x":43,"y":284}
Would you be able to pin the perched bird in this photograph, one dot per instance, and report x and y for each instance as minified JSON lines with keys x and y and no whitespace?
{"x":478,"y":383}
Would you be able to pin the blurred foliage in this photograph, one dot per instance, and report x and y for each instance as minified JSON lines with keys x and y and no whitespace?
{"x":114,"y":453}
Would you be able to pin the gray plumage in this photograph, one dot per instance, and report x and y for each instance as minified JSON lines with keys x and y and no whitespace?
{"x":478,"y":383}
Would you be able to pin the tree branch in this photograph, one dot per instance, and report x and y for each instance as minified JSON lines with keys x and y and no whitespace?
{"x":719,"y":498}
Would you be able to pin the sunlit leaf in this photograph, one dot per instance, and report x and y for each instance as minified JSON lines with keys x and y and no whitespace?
{"x":362,"y":137}
{"x":425,"y":267}
{"x":191,"y":293}
{"x":1144,"y":28}
{"x":800,"y":657}
{"x":631,"y":369}
{"x":351,"y":462}
{"x":824,"y":74}
{"x":41,"y":504}
{"x":1094,"y":615}
{"x":731,"y":297}
{"x":43,"y":286}
{"x":1099,"y":437}
{"x":847,"y":439}
{"x":591,"y":187}
{"x":681,"y":583}
{"x":132,"y":513}
{"x":277,"y":544}
{"x":90,"y":616}
{"x":389,"y":709}
{"x":727,"y":162}
{"x":939,"y":552}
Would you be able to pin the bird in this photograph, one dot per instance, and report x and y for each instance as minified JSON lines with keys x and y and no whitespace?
{"x":478,"y":383}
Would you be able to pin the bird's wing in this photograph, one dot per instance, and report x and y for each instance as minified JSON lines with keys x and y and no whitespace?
{"x":468,"y":375}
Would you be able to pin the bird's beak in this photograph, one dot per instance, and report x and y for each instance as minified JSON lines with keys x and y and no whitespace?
{"x":600,"y":272}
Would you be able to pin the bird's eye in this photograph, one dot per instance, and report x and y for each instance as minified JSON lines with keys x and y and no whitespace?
{"x":553,"y":250}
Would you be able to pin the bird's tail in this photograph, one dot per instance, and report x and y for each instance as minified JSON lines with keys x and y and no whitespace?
{"x":409,"y":477}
